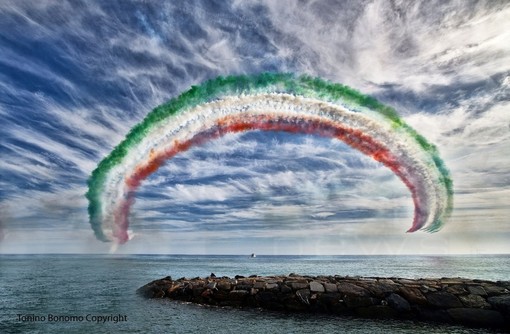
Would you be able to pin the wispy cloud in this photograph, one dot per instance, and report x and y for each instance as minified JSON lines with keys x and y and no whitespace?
{"x":77,"y":77}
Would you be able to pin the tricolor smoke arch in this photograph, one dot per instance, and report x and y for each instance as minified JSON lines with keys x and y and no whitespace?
{"x":271,"y":102}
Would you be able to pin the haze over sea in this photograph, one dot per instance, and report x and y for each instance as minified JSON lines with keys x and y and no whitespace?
{"x":89,"y":286}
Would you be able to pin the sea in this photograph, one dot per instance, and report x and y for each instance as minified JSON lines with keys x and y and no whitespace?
{"x":97,"y":293}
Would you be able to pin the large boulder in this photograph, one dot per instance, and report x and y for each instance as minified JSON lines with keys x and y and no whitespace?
{"x":351,"y":290}
{"x":413,"y":295}
{"x":316,"y":286}
{"x":501,"y":303}
{"x":474,"y":301}
{"x":398,"y":303}
{"x":443,"y":299}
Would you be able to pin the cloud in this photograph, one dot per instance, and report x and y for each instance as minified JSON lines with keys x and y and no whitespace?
{"x":78,"y":77}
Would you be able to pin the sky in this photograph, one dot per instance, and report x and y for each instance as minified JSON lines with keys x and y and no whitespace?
{"x":76,"y":76}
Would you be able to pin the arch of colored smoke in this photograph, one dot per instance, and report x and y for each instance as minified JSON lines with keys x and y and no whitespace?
{"x":271,"y":102}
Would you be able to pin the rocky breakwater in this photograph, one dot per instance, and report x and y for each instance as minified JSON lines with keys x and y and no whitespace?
{"x":451,"y":300}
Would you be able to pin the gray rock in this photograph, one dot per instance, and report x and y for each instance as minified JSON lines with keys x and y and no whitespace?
{"x":381,"y":289}
{"x":350,"y":289}
{"x":285,"y":289}
{"x":477,"y":317}
{"x":304,"y":296}
{"x":244,"y":286}
{"x":398,"y":303}
{"x":259,"y":285}
{"x":238,"y":294}
{"x":443,"y":300}
{"x":360,"y":301}
{"x":211,"y":285}
{"x":271,"y":286}
{"x":477,"y":290}
{"x":427,"y":288}
{"x":222,"y":285}
{"x":330,"y":287}
{"x":494,"y":290}
{"x":298,"y":285}
{"x":456,"y":289}
{"x":474,"y":301}
{"x":316,"y":286}
{"x":413,"y":295}
{"x":501,"y":303}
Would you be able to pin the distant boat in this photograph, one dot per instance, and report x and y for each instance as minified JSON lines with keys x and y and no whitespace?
{"x":253,"y":255}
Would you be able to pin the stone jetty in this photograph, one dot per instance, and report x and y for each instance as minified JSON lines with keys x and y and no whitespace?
{"x":468,"y":302}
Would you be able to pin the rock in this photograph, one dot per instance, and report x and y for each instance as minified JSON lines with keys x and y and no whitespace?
{"x":245,"y":286}
{"x":360,"y":301}
{"x":285,"y":289}
{"x":451,"y":281}
{"x":456,"y":289}
{"x":501,"y":303}
{"x":265,"y":297}
{"x":331,"y":299}
{"x":238,"y":294}
{"x":298,"y":286}
{"x":477,"y":317}
{"x":304,"y":296}
{"x":381,"y":289}
{"x":211,"y":285}
{"x":222,"y":285}
{"x":259,"y":285}
{"x":443,"y":300}
{"x":477,"y":290}
{"x":474,"y":301}
{"x":158,"y":294}
{"x":238,"y":276}
{"x":426,"y":288}
{"x":398,"y":303}
{"x":316,"y":286}
{"x":198,"y":291}
{"x":456,"y":300}
{"x":350,"y":289}
{"x":204,"y":293}
{"x":413,"y":295}
{"x":494,"y":290}
{"x":221,"y":295}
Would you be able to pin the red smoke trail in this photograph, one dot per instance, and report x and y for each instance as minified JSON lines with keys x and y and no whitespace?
{"x":241,"y":123}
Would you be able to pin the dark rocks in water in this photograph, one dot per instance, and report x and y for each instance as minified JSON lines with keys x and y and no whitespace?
{"x":501,"y":302}
{"x":443,"y":300}
{"x":477,"y":303}
{"x":413,"y":295}
{"x":398,"y":303}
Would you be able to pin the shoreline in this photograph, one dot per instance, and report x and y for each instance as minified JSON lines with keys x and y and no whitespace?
{"x":474,"y":303}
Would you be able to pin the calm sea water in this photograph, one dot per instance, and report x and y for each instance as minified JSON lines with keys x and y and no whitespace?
{"x":77,"y":289}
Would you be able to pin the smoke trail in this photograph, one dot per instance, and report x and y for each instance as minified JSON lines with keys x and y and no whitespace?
{"x":268,"y":102}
